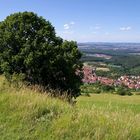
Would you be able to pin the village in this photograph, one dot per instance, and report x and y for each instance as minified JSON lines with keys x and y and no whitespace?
{"x":132,"y":82}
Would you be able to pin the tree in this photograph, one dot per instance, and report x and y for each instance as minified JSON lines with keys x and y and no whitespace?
{"x":29,"y":46}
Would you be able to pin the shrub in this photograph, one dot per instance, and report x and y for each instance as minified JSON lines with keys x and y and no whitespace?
{"x":86,"y":94}
{"x":123,"y":91}
{"x":97,"y":91}
{"x":107,"y":88}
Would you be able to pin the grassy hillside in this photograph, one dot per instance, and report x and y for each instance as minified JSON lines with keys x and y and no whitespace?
{"x":29,"y":115}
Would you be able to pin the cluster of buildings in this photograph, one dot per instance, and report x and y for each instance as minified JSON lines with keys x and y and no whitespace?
{"x":91,"y":77}
{"x":132,"y":82}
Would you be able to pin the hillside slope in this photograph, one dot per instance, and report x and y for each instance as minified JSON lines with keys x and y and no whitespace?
{"x":28,"y":115}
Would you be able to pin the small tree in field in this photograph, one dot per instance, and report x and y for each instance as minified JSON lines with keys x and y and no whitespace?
{"x":29,"y":46}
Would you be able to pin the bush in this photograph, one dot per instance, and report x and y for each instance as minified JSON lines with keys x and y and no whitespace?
{"x":29,"y":46}
{"x":123,"y":91}
{"x":107,"y":88}
{"x":97,"y":91}
{"x":86,"y":94}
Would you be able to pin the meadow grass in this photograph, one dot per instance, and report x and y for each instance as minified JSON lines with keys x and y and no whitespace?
{"x":26,"y":114}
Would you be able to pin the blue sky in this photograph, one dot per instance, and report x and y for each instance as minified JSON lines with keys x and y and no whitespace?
{"x":84,"y":20}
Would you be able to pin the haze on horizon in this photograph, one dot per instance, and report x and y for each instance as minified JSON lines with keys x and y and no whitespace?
{"x":84,"y":21}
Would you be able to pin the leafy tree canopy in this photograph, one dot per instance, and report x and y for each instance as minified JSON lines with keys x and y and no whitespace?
{"x":29,"y":46}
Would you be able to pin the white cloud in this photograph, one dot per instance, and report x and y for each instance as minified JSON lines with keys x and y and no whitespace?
{"x":125,"y":28}
{"x":66,"y":26}
{"x":69,"y":25}
{"x":68,"y":32}
{"x":72,"y":22}
{"x":97,"y":27}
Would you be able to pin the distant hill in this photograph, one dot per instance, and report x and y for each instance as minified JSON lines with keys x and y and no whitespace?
{"x":110,"y":46}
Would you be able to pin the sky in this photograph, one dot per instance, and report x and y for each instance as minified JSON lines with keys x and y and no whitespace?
{"x":84,"y":20}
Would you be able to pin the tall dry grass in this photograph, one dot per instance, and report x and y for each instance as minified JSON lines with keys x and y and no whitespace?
{"x":26,"y":114}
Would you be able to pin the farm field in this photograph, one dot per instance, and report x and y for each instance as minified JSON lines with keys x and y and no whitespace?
{"x":28,"y":115}
{"x":121,"y":61}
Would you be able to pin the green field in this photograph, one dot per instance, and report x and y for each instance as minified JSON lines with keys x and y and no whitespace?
{"x":28,"y":115}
